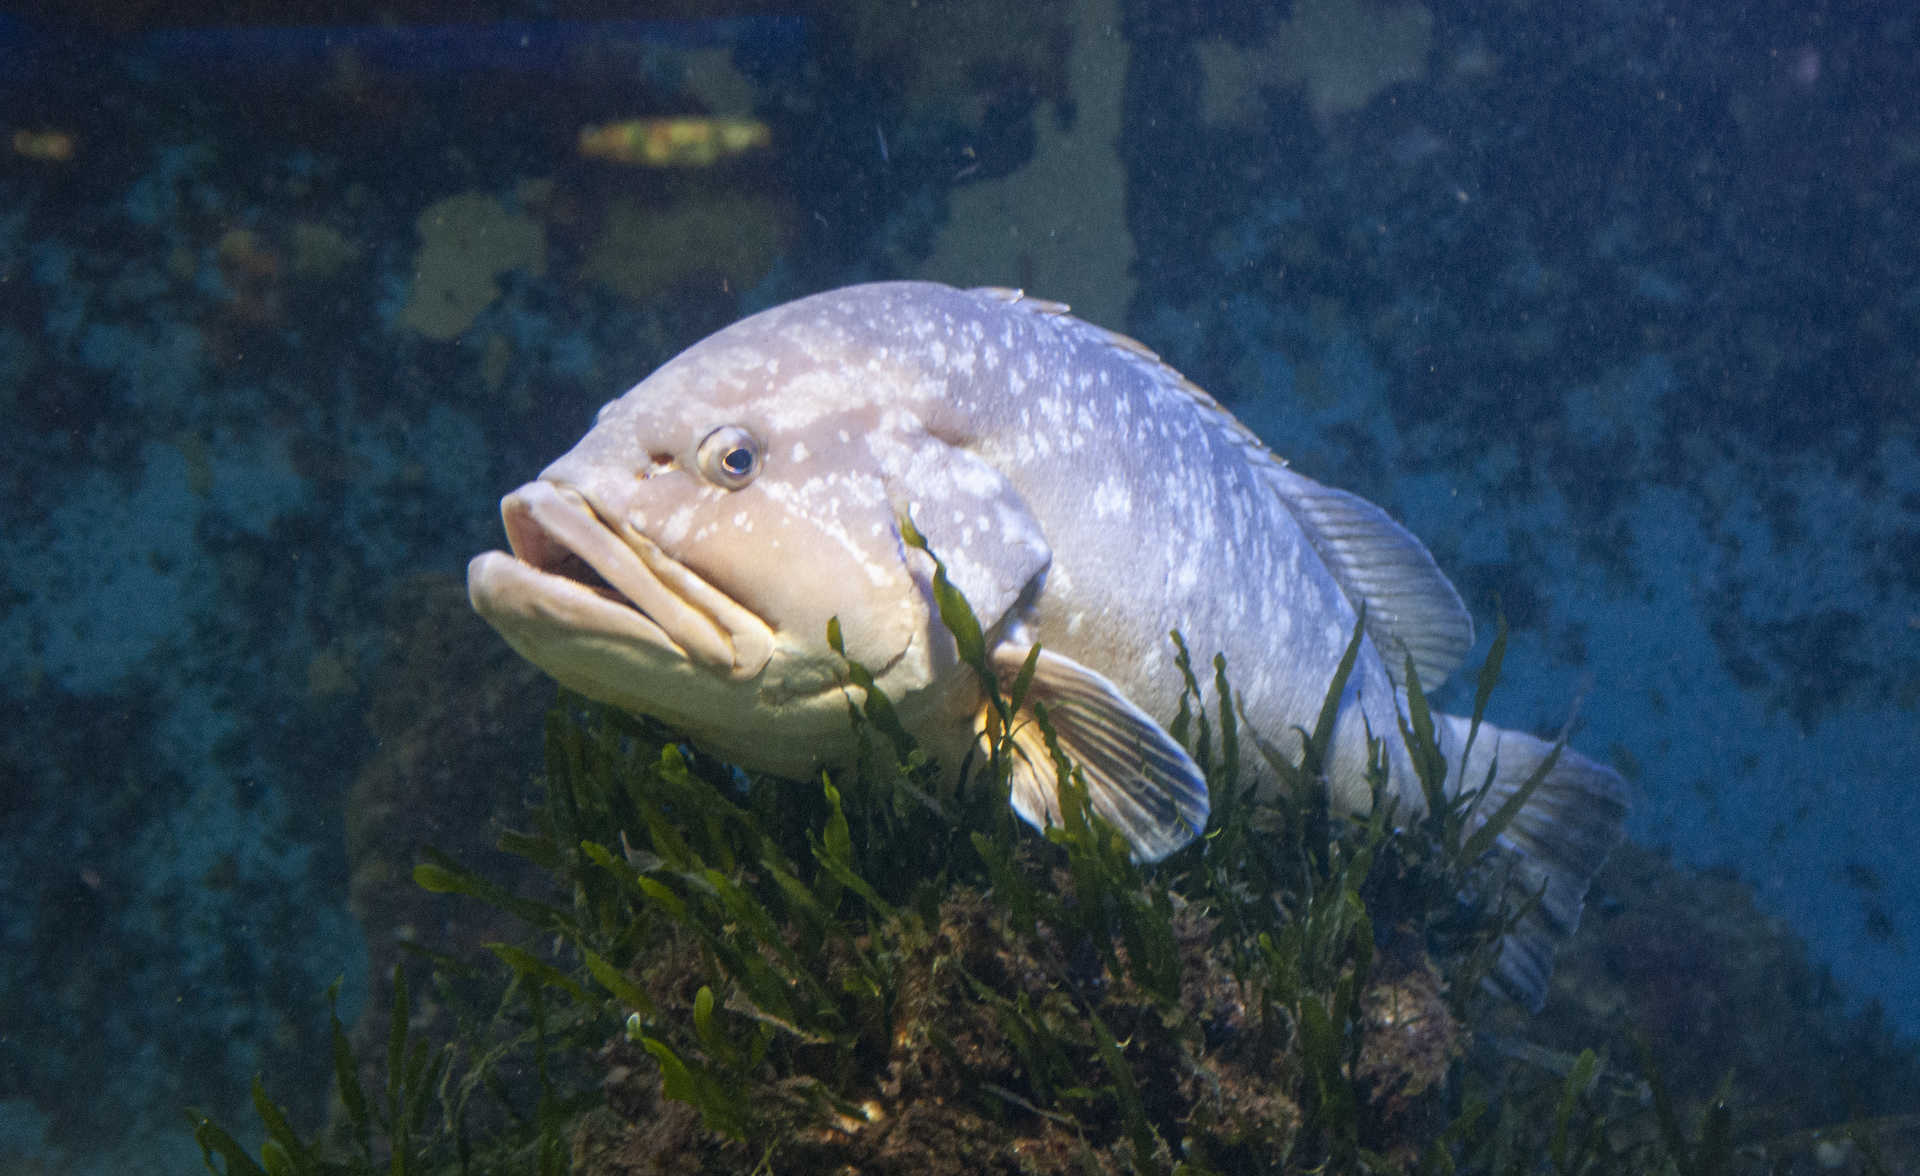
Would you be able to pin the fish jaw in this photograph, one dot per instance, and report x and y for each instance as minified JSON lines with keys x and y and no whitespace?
{"x":602,"y":610}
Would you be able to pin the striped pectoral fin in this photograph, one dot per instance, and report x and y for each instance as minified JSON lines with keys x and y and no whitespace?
{"x":1138,"y":778}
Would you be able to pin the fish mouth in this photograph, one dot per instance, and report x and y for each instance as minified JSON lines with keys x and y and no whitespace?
{"x":572,"y":567}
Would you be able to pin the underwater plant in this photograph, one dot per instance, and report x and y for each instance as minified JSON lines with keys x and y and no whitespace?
{"x":882,"y":973}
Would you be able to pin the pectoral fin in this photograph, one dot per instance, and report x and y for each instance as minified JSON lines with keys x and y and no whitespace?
{"x":1138,"y":778}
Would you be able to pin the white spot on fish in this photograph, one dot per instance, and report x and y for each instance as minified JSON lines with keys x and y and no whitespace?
{"x":804,"y":400}
{"x":799,"y":452}
{"x":674,"y":532}
{"x":1153,"y":664}
{"x":1111,"y":499}
{"x":977,"y":479}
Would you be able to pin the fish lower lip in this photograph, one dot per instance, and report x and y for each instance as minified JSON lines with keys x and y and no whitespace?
{"x":555,"y":530}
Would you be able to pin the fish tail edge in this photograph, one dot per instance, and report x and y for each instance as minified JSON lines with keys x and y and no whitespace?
{"x":1560,"y":837}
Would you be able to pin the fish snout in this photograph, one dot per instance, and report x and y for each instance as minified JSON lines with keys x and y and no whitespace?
{"x":564,"y":532}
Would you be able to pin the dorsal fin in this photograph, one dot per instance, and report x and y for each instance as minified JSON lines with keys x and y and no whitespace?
{"x":1022,"y":298}
{"x":1411,"y":606}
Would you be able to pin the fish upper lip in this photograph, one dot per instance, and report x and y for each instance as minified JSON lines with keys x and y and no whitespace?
{"x":554,"y":529}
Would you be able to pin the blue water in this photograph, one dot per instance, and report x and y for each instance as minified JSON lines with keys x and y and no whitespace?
{"x":1616,"y":305}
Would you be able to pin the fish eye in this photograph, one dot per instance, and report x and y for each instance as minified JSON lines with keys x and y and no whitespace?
{"x":729,"y":457}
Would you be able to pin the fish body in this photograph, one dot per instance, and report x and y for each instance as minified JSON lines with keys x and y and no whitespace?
{"x":684,"y":559}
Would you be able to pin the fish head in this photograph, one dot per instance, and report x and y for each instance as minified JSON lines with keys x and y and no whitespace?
{"x":684,"y":559}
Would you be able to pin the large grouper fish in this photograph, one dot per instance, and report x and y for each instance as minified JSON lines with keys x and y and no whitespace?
{"x":684,"y":559}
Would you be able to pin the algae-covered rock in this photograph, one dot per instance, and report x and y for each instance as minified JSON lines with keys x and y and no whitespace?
{"x":1342,"y":52}
{"x":321,"y":251}
{"x":644,"y":251}
{"x":1057,"y":226}
{"x":953,"y":58}
{"x":450,"y":712}
{"x":1686,"y":962}
{"x":251,"y":268}
{"x":955,"y":1090}
{"x":466,"y":242}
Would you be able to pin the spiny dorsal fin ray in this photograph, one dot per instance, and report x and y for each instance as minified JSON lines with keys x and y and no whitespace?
{"x":1138,"y":777}
{"x":1411,"y":607}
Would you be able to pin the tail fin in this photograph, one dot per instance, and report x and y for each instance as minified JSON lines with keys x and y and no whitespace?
{"x":1560,"y":837}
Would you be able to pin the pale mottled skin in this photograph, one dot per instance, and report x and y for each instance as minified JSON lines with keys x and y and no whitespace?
{"x":1069,"y":483}
{"x":1081,"y":493}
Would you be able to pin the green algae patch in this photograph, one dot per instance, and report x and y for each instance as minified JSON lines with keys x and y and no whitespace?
{"x":466,"y":242}
{"x":645,"y":251}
